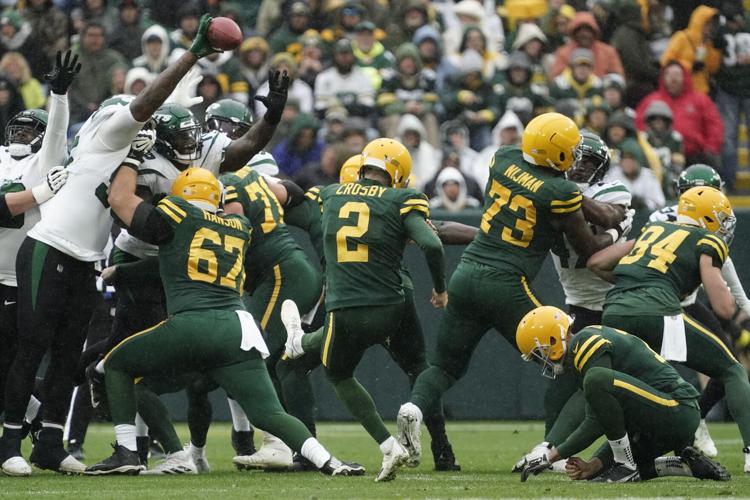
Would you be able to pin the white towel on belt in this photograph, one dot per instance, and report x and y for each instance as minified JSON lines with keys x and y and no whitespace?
{"x":673,"y":343}
{"x":251,"y":336}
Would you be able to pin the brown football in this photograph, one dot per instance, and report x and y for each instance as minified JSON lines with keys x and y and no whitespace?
{"x":224,"y":34}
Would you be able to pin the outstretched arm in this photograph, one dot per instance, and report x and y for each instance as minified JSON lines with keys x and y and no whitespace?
{"x":606,"y":215}
{"x":604,"y":261}
{"x":579,"y":234}
{"x":455,"y":233}
{"x":12,"y":204}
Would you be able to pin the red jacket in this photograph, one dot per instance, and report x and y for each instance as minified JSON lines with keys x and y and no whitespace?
{"x":695,"y":116}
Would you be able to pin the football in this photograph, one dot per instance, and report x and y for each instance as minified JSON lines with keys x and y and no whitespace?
{"x":224,"y":34}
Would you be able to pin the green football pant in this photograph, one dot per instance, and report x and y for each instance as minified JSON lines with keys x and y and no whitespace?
{"x":205,"y":341}
{"x":348,"y":334}
{"x":479,"y":298}
{"x":706,"y":353}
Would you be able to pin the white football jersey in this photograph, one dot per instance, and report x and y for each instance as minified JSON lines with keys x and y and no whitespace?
{"x":25,"y":173}
{"x":77,"y":220}
{"x":582,"y":287}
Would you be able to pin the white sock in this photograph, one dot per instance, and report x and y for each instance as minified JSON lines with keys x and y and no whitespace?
{"x":141,"y":429}
{"x":239,"y":419}
{"x":125,"y":435}
{"x":671,"y":466}
{"x":199,"y":449}
{"x":387,"y":445}
{"x":51,"y":425}
{"x":315,"y":452}
{"x":32,"y":409}
{"x":622,"y":452}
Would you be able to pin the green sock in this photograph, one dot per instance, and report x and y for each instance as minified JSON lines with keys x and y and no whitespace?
{"x":359,"y":403}
{"x":430,"y":387}
{"x":313,"y":342}
{"x":737,"y":393}
{"x":156,"y":416}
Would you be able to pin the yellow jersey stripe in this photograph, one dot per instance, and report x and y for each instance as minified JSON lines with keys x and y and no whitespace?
{"x":419,"y":208}
{"x":716,"y":247}
{"x":274,"y":296}
{"x":590,"y":353}
{"x":575,"y":199}
{"x":314,"y":189}
{"x":416,"y":201}
{"x":123,"y":342}
{"x":565,"y":210}
{"x":527,"y":289}
{"x":312,"y":196}
{"x":174,"y":207}
{"x":690,"y":321}
{"x":645,"y":394}
{"x":327,"y":343}
{"x":717,"y":243}
{"x":582,"y":348}
{"x":168,"y":212}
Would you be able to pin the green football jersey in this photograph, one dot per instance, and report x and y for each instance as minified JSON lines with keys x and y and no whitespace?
{"x":629,"y":355}
{"x":662,"y":269}
{"x":201,"y":266}
{"x":306,"y":216}
{"x":272,"y":241}
{"x":521,"y":201}
{"x":363,"y":241}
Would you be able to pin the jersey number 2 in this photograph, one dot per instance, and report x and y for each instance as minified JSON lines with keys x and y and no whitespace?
{"x":524,"y":225}
{"x":203,"y":264}
{"x":360,"y":253}
{"x":662,"y":250}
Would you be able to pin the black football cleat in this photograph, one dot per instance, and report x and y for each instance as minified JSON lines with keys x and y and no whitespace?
{"x":55,"y":458}
{"x":335,"y":467}
{"x":618,"y":473}
{"x":445,"y":460}
{"x":242,"y":442}
{"x":122,"y":461}
{"x":703,"y":467}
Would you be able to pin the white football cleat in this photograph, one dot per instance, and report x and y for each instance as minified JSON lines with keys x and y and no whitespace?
{"x":176,"y":463}
{"x":293,"y":324}
{"x":409,"y":424}
{"x":703,"y":440}
{"x":392,"y":460}
{"x":16,"y":466}
{"x":70,"y":465}
{"x":273,"y":454}
{"x":199,"y":458}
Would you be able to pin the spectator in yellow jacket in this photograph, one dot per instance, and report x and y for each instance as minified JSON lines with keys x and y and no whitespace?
{"x":14,"y":65}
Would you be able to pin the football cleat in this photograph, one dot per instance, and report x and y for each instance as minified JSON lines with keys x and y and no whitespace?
{"x":199,"y":458}
{"x":618,"y":473}
{"x":177,"y":463}
{"x":274,"y":454}
{"x":335,"y":467}
{"x":293,"y":324}
{"x":16,"y":466}
{"x":75,"y":450}
{"x":746,"y":451}
{"x":445,"y":460}
{"x":702,"y":466}
{"x":301,"y":464}
{"x":703,"y":440}
{"x":392,"y":460}
{"x":55,"y":459}
{"x":409,"y":423}
{"x":242,"y":442}
{"x":558,"y":467}
{"x":122,"y":461}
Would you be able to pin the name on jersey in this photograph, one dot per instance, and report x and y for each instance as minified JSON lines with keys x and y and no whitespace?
{"x":523,"y":179}
{"x":233,"y":223}
{"x":360,"y":190}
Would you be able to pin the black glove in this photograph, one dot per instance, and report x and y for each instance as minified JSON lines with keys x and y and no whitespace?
{"x":278,"y":85}
{"x":63,"y":73}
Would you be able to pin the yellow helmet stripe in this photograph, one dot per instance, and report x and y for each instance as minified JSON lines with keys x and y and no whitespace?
{"x":174,"y":207}
{"x":644,"y":393}
{"x":575,"y":199}
{"x":582,"y":348}
{"x":590,"y":353}
{"x":719,"y":250}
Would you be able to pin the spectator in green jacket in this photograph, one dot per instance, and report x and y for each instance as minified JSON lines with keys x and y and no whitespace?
{"x":370,"y":54}
{"x":577,"y":82}
{"x":286,"y":38}
{"x":666,"y":142}
{"x":517,"y":93}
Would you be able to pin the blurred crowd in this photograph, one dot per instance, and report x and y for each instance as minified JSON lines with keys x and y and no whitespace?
{"x":666,"y":83}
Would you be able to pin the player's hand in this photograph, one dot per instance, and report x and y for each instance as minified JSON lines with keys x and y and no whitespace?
{"x":55,"y":180}
{"x":278,"y":86}
{"x":536,"y":452}
{"x":535,"y":466}
{"x":579,"y":469}
{"x":63,"y":72}
{"x":624,"y":227}
{"x":201,"y":47}
{"x":184,"y":92}
{"x":439,"y":300}
{"x":140,"y":146}
{"x":109,"y":275}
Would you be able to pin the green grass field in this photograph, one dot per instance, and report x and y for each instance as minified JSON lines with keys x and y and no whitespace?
{"x":486,"y":451}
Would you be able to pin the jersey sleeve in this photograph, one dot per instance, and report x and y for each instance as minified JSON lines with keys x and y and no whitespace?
{"x":119,"y":130}
{"x":615,"y":193}
{"x":171,"y":210}
{"x":214,"y":145}
{"x":564,"y":198}
{"x":416,"y":202}
{"x":713,"y":246}
{"x":264,"y":163}
{"x":588,"y":345}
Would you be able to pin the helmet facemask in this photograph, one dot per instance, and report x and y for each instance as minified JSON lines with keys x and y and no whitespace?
{"x":181,"y":146}
{"x":588,"y":170}
{"x":541,"y":355}
{"x":727,"y":223}
{"x":24,"y":136}
{"x":233,"y":129}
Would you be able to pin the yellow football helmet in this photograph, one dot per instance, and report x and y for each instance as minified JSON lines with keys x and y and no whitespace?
{"x":350,"y":169}
{"x":709,"y":208}
{"x":198,"y":184}
{"x":551,"y":140}
{"x":391,"y":156}
{"x":542,"y":336}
